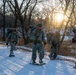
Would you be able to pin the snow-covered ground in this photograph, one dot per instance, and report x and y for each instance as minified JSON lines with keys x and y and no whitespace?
{"x":66,"y":38}
{"x":19,"y":65}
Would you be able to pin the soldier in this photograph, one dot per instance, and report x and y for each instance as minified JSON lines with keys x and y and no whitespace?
{"x":37,"y":38}
{"x":49,"y":36}
{"x":55,"y":43}
{"x":12,"y":39}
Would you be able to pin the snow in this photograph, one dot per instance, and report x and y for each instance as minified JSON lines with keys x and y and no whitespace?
{"x":19,"y":65}
{"x":27,"y":48}
{"x":68,"y":38}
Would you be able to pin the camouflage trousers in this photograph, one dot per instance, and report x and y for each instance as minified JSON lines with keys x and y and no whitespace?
{"x":53,"y":53}
{"x":38,"y":48}
{"x":12,"y":44}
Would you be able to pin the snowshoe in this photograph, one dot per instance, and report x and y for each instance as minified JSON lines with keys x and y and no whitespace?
{"x":41,"y":63}
{"x":11,"y":55}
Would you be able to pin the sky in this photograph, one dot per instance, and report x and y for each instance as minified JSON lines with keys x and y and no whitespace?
{"x":53,"y":2}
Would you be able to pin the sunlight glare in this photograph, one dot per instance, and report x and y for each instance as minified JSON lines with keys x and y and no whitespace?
{"x":59,"y":17}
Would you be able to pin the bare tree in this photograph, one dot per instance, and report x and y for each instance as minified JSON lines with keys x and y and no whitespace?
{"x":72,"y":10}
{"x":22,"y":12}
{"x":4,"y":3}
{"x":16,"y":10}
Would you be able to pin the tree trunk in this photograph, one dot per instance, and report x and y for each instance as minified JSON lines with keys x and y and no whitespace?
{"x":67,"y":23}
{"x":15,"y":20}
{"x":3,"y":20}
{"x":22,"y":26}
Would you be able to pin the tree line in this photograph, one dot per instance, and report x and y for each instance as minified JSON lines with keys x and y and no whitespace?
{"x":27,"y":12}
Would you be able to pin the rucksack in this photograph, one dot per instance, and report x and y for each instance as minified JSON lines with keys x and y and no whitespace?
{"x":8,"y":32}
{"x":55,"y":39}
{"x":30,"y":31}
{"x":13,"y":37}
{"x":49,"y":36}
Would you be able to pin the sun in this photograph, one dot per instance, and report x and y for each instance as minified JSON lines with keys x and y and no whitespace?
{"x":59,"y":17}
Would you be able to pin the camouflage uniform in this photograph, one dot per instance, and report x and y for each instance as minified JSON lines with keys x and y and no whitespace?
{"x":54,"y":42}
{"x":38,"y":38}
{"x":12,"y":39}
{"x":49,"y":37}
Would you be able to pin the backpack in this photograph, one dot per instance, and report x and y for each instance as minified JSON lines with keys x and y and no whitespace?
{"x":49,"y":36}
{"x":8,"y":32}
{"x":12,"y":37}
{"x":30,"y":31}
{"x":55,"y":39}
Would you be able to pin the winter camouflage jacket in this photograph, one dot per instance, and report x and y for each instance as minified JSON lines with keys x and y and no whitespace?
{"x":37,"y":36}
{"x":12,"y":37}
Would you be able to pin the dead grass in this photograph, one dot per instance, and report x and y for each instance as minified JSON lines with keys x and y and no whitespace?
{"x":65,"y":49}
{"x":47,"y":47}
{"x":20,"y":42}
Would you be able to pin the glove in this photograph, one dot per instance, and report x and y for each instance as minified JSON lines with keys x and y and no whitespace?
{"x":44,"y":43}
{"x":6,"y":43}
{"x":15,"y":42}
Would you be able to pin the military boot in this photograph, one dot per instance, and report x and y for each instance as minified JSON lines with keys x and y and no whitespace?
{"x":11,"y":54}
